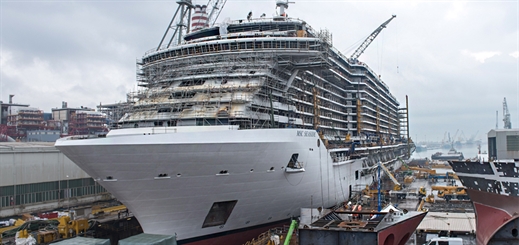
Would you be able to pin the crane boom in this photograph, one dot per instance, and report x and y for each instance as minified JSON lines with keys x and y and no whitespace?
{"x":506,"y":115}
{"x":217,"y":7}
{"x":370,"y":39}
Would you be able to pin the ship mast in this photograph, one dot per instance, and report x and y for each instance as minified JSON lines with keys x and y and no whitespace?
{"x":183,"y":23}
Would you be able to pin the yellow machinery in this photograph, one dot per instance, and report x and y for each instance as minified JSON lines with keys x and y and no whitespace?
{"x":68,"y":228}
{"x":426,"y":170}
{"x":397,"y":185}
{"x":372,"y":193}
{"x":420,"y":206}
{"x":408,"y":179}
{"x":108,"y":210}
{"x":41,"y":237}
{"x":422,"y":192}
{"x":452,"y":175}
{"x":17,"y":223}
{"x":451,"y":192}
{"x":430,"y":198}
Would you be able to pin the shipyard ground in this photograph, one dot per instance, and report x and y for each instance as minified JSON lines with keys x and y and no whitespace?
{"x":110,"y":221}
{"x":445,"y":218}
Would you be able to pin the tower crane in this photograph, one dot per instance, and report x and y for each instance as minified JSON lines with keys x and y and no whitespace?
{"x":506,"y":115}
{"x":181,"y":21}
{"x":370,"y":39}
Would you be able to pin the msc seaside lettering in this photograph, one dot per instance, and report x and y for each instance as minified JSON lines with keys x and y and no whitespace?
{"x":305,"y":133}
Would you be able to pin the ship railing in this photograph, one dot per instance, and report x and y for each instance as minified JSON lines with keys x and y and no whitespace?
{"x":309,"y":30}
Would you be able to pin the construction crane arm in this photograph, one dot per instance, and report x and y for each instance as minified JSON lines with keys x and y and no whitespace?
{"x":397,"y":186}
{"x":370,"y":39}
{"x":217,"y":6}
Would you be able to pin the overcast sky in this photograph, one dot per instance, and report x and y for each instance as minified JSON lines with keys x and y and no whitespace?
{"x":456,"y":60}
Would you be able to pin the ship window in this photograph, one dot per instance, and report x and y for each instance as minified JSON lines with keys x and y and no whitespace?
{"x":219,"y":213}
{"x":512,"y":142}
{"x":492,"y":148}
{"x":183,"y":94}
{"x":356,"y":174}
{"x":191,"y":83}
{"x":161,"y":110}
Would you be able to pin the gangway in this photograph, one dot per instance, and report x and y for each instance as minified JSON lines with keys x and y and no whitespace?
{"x":390,"y":175}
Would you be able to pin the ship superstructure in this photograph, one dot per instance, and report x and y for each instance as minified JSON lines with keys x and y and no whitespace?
{"x":239,"y":126}
{"x":263,"y":73}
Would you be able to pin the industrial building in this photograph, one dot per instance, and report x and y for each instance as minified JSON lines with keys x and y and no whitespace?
{"x":19,"y":122}
{"x":37,"y":177}
{"x":79,"y":121}
{"x":503,"y":144}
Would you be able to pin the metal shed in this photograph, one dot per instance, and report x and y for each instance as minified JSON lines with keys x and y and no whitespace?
{"x":83,"y":241}
{"x":452,"y":222}
{"x":149,"y":239}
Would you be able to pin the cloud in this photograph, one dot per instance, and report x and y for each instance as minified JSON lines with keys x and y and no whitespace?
{"x":456,"y":11}
{"x":481,"y":56}
{"x":84,"y":52}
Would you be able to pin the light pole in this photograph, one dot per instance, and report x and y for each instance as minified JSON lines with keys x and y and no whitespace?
{"x":68,"y":195}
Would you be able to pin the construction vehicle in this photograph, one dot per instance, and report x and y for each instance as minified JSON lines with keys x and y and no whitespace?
{"x":451,"y":192}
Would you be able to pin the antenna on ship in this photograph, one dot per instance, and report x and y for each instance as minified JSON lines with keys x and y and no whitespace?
{"x":282,"y":5}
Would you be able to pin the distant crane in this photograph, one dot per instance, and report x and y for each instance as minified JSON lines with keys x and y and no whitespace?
{"x":473,"y":137}
{"x":506,"y":115}
{"x":370,"y":39}
{"x":454,"y":138}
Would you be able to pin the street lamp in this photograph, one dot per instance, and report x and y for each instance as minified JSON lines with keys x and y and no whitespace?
{"x":68,"y":195}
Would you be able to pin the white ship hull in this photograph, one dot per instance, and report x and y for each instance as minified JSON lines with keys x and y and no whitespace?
{"x":205,"y":165}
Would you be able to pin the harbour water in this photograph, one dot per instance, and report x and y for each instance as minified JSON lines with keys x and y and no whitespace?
{"x":469,"y":151}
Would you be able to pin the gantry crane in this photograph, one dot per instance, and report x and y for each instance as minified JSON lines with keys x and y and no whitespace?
{"x":370,"y":39}
{"x":506,"y":115}
{"x":182,"y":23}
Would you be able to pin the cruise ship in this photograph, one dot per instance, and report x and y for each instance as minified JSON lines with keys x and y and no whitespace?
{"x":493,"y":188}
{"x":239,"y":125}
